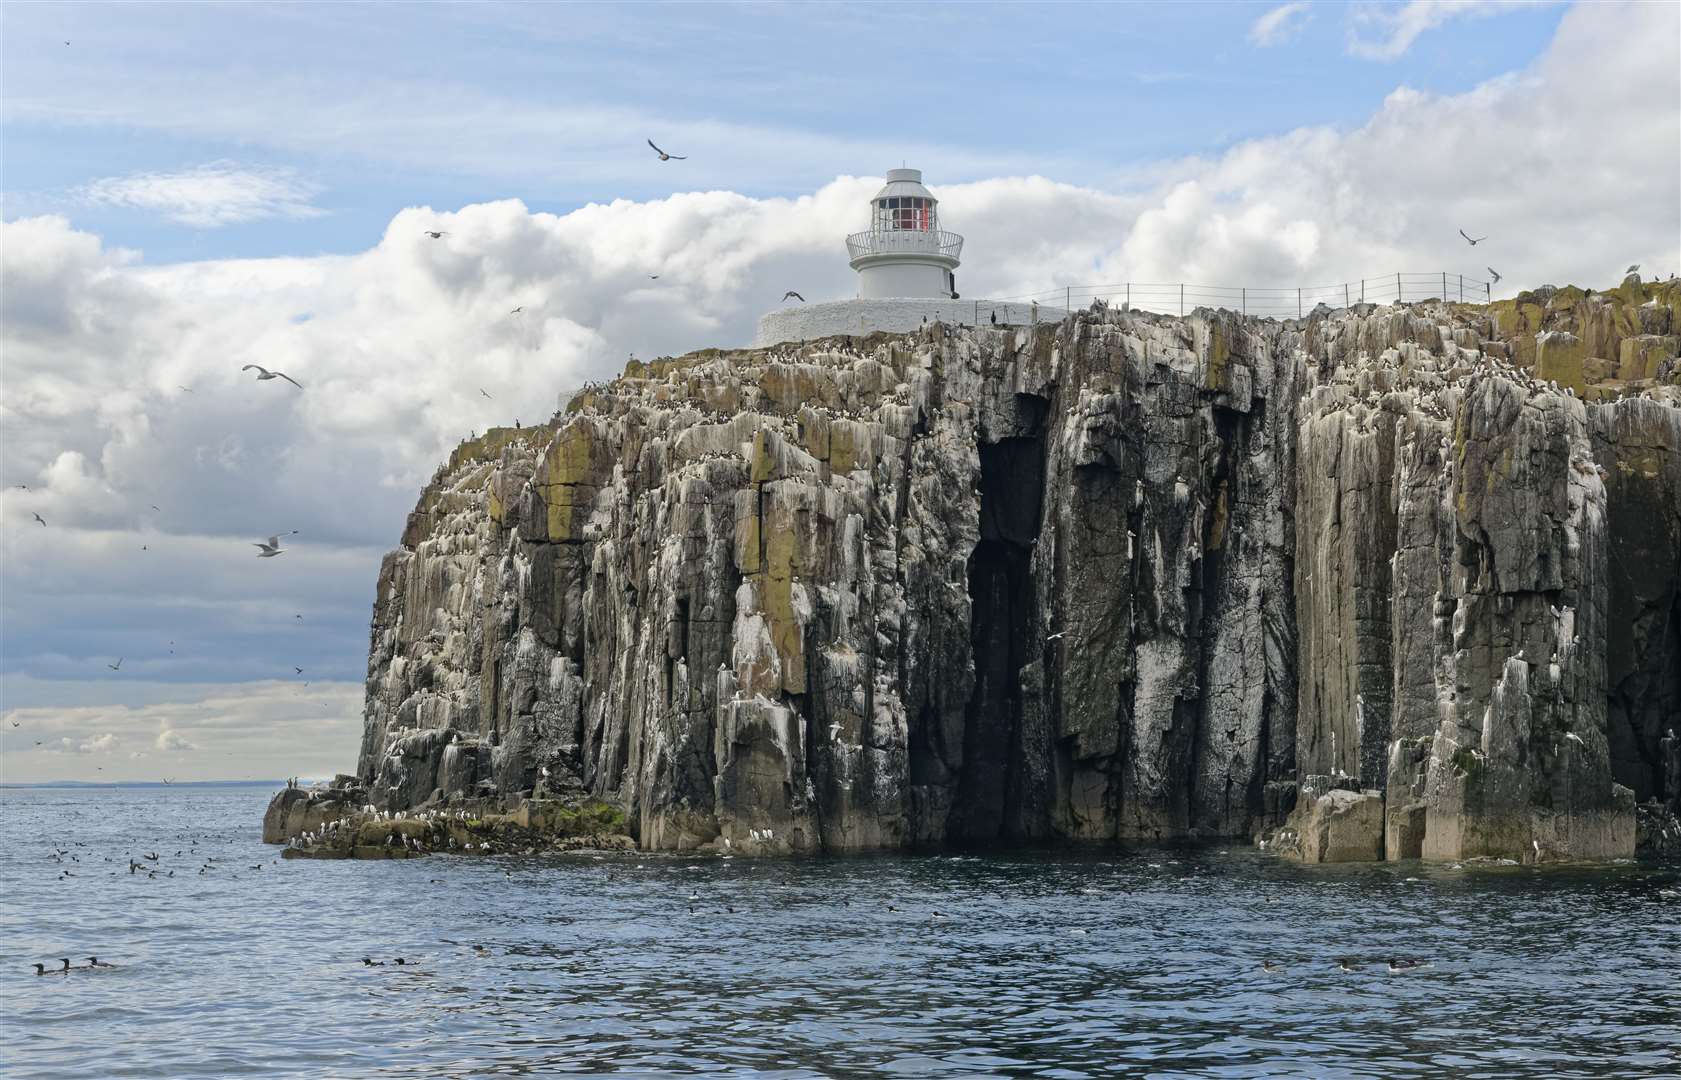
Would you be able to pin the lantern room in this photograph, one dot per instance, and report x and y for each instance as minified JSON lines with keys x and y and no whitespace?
{"x":904,"y":252}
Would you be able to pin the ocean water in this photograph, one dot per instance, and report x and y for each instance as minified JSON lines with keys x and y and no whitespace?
{"x":1056,"y":965}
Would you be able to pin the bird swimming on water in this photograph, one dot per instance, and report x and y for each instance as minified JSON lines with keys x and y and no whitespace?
{"x":1405,"y":965}
{"x":93,"y":962}
{"x":366,"y":962}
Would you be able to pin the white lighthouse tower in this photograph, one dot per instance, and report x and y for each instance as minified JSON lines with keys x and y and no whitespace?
{"x":907,"y":277}
{"x":904,"y":252}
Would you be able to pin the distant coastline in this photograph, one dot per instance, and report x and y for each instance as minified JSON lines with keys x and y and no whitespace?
{"x":137,"y":784}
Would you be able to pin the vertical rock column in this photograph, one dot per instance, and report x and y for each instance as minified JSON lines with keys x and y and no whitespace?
{"x":1520,"y":768}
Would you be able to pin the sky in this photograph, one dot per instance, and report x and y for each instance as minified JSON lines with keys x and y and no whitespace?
{"x":189,"y":188}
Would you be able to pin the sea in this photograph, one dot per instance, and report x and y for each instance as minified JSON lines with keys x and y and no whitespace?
{"x":1217,"y":961}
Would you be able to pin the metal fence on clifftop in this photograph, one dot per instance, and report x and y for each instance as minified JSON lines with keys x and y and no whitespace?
{"x":1276,"y":303}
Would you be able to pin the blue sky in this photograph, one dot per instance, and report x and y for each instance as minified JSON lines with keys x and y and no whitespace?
{"x":371,"y":108}
{"x":189,"y":188}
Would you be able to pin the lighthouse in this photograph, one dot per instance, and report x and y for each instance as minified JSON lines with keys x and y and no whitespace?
{"x":904,"y":252}
{"x":907,"y":277}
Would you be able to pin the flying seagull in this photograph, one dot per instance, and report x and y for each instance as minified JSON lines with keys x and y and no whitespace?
{"x":42,"y":520}
{"x":440,"y":234}
{"x":1632,"y":269}
{"x":188,"y":389}
{"x":793,"y":294}
{"x":665,"y":156}
{"x":1470,"y":241}
{"x":118,"y":666}
{"x":270,"y":549}
{"x":517,"y":310}
{"x":487,"y":396}
{"x":653,"y":277}
{"x":297,"y":669}
{"x":264,"y":373}
{"x":1496,"y":274}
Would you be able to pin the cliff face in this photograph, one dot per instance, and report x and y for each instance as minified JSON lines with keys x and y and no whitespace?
{"x":1120,"y":577}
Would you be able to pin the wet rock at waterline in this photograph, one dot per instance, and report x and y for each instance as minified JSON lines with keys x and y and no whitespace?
{"x":1122,"y":578}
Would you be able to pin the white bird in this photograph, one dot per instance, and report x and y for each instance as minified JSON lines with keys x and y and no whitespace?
{"x":436,"y":235}
{"x":665,"y":156}
{"x":264,"y":373}
{"x":1632,"y":268}
{"x":1470,"y":241}
{"x":270,"y":549}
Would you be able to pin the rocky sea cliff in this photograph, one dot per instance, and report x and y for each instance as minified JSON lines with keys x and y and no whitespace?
{"x":1383,"y":582}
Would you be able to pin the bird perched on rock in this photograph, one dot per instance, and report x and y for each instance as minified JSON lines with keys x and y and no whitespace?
{"x":264,"y":373}
{"x":665,"y":156}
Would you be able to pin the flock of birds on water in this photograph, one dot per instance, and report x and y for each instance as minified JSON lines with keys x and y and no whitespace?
{"x":150,"y":865}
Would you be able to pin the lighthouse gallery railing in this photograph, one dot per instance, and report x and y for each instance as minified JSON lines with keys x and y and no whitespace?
{"x":904,"y":241}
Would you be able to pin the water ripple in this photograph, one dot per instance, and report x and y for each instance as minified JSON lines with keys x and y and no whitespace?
{"x":1057,"y":966}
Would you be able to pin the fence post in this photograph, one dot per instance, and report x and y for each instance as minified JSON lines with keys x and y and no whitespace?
{"x":1068,"y":298}
{"x":977,"y":314}
{"x":1129,"y":296}
{"x":1181,"y":299}
{"x":1298,"y":303}
{"x":1345,"y":302}
{"x":1362,"y":290}
{"x":1461,"y":288}
{"x":1246,"y":303}
{"x":1444,"y":286}
{"x":1397,"y":286}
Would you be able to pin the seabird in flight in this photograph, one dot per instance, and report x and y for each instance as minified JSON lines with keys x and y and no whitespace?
{"x":264,"y":373}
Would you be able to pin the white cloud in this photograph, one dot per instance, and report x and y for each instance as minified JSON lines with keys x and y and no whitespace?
{"x":1279,"y":25}
{"x":170,"y":739}
{"x":191,"y":732}
{"x":1396,"y":28}
{"x":94,"y":744}
{"x":401,"y":336}
{"x":209,"y":196}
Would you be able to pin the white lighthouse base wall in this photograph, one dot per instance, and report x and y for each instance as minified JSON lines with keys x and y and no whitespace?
{"x":803,"y":322}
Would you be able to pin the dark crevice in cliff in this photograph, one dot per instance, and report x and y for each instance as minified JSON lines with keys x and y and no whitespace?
{"x":994,"y":793}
